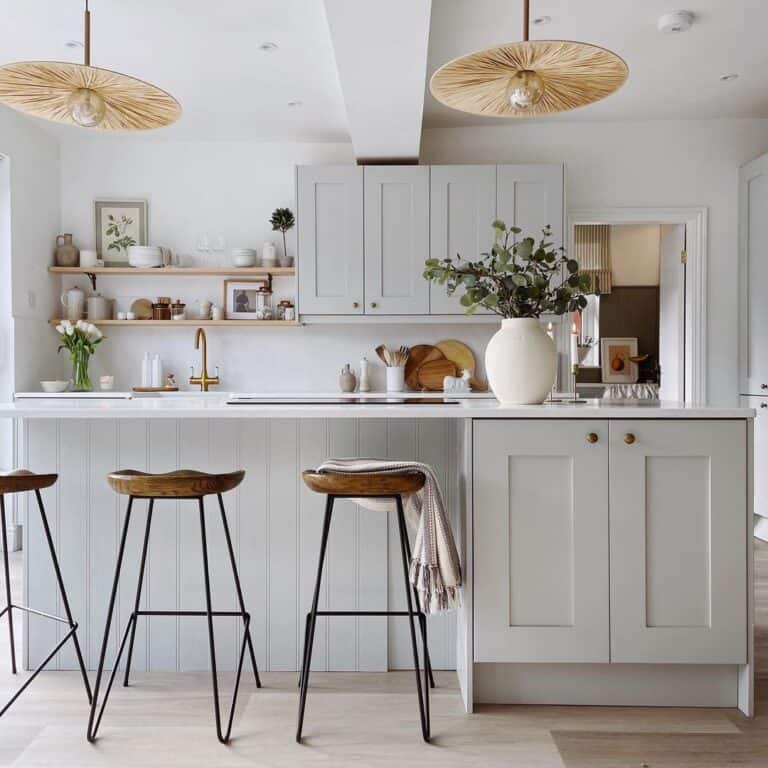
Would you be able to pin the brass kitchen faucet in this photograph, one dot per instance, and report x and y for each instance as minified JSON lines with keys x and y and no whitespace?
{"x":204,"y":380}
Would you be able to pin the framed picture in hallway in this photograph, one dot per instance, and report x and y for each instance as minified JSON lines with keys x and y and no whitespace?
{"x":615,"y":354}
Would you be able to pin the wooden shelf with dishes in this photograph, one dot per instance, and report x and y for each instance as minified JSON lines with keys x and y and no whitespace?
{"x":178,"y":271}
{"x":229,"y":323}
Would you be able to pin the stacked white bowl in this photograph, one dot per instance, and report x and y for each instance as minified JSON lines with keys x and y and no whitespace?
{"x":145,"y":256}
{"x":244,"y":257}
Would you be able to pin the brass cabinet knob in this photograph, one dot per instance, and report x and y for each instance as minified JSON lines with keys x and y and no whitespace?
{"x":764,"y":386}
{"x":592,"y":438}
{"x":355,"y":304}
{"x":374,"y":305}
{"x":629,"y":438}
{"x":764,"y":405}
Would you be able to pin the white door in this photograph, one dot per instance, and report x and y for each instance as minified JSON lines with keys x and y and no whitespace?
{"x":330,"y":239}
{"x":678,"y":523}
{"x":531,"y":197}
{"x":540,"y":504}
{"x":753,"y":275}
{"x":760,"y":476}
{"x":672,"y":312}
{"x":462,"y":209}
{"x":396,"y":239}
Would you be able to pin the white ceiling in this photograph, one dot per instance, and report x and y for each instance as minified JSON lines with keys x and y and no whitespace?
{"x":670,"y":76}
{"x":206,"y":54}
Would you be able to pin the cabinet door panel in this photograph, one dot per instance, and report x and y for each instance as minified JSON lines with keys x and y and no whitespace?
{"x":330,"y":237}
{"x":462,"y":209}
{"x":678,"y":542}
{"x":753,"y":274}
{"x":531,"y":197}
{"x":396,"y":239}
{"x":541,"y":541}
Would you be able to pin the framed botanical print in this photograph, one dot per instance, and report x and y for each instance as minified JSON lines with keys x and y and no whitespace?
{"x":119,"y":225}
{"x":615,"y":354}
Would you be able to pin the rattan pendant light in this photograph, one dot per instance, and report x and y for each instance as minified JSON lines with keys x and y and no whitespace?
{"x":529,"y":78}
{"x":86,"y":96}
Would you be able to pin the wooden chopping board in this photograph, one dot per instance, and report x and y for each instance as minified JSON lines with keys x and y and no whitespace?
{"x":463,"y":357}
{"x":431,"y":374}
{"x":420,"y":354}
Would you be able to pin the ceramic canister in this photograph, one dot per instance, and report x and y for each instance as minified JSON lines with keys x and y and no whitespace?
{"x":99,"y":308}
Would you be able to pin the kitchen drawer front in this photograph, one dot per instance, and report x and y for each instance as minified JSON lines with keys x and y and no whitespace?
{"x":541,"y":541}
{"x":678,"y":537}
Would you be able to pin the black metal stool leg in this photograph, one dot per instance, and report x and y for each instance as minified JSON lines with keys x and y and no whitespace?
{"x":238,"y":588}
{"x":307,"y":663}
{"x":304,"y":647}
{"x":63,"y":592}
{"x":422,"y":619}
{"x":8,"y":601}
{"x":423,"y":710}
{"x":134,"y":618}
{"x":223,"y":737}
{"x":93,"y":721}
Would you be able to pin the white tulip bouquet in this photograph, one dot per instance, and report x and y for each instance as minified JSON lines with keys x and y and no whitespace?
{"x":80,"y":339}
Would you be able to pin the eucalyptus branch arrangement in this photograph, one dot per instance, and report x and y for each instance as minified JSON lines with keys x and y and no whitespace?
{"x":521,"y":278}
{"x":282,"y":220}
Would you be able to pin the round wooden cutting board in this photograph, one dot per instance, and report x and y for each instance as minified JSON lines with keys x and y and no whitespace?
{"x":420,"y":354}
{"x":431,"y":374}
{"x":463,"y":357}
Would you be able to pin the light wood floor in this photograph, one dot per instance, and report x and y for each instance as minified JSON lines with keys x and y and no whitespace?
{"x":369,"y":720}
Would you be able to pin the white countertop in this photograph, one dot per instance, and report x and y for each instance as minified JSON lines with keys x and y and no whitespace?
{"x":479,"y":406}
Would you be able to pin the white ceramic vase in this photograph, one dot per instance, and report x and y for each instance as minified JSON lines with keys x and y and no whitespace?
{"x":521,"y":362}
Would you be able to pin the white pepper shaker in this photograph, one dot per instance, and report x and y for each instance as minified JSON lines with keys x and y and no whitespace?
{"x":364,"y":383}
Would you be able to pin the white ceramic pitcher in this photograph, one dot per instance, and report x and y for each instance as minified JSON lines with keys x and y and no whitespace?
{"x":73,"y":301}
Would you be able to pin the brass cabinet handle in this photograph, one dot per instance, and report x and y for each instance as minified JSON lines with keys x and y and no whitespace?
{"x":592,"y":438}
{"x":355,"y":304}
{"x":374,"y":305}
{"x":629,"y":438}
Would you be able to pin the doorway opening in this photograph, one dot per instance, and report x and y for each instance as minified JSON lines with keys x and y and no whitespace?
{"x":643,"y":331}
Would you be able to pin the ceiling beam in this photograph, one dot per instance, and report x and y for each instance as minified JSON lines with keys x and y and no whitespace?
{"x":381,"y":57}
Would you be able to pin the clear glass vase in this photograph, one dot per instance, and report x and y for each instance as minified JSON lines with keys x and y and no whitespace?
{"x":80,"y":378}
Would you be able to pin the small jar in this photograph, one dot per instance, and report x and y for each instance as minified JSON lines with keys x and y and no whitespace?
{"x":161,"y":309}
{"x":264,"y":303}
{"x":178,"y":310}
{"x":283,"y":309}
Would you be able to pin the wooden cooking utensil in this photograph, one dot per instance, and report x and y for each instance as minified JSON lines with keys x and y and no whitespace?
{"x":421,"y":353}
{"x":460,"y":354}
{"x":432,"y":373}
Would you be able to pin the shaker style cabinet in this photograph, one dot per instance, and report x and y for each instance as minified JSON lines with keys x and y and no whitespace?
{"x":678,"y":528}
{"x":623,"y":541}
{"x":541,"y":540}
{"x":330,"y":239}
{"x":396,"y":212}
{"x":364,"y":233}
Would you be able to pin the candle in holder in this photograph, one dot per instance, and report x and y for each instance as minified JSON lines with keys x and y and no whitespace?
{"x":550,"y":332}
{"x":574,"y":346}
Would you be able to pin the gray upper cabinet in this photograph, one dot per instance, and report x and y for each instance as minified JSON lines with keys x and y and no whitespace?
{"x":462,"y":209}
{"x":396,"y":239}
{"x":531,"y":197}
{"x":330,"y":239}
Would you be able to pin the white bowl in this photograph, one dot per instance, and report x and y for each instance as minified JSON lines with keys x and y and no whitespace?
{"x":243,"y":259}
{"x":54,"y":386}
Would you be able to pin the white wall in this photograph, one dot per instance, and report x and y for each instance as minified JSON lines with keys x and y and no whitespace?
{"x":227,"y":188}
{"x":634,"y":252}
{"x":655,"y":163}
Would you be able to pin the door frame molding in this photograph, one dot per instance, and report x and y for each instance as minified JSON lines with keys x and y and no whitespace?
{"x":695,"y":219}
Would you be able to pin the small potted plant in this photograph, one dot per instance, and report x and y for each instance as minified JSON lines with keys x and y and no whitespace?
{"x":519,"y":281}
{"x":80,"y":339}
{"x":282,"y":220}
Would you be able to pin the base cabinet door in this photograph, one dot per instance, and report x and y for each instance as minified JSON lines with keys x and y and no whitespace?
{"x":540,"y":499}
{"x":678,"y":517}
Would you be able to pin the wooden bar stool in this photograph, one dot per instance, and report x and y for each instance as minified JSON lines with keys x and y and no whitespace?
{"x":19,"y":481}
{"x":183,"y":484}
{"x":337,"y":485}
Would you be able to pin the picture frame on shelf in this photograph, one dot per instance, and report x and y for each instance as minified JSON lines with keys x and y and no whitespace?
{"x":241,"y":299}
{"x":120,"y":224}
{"x":615,"y":353}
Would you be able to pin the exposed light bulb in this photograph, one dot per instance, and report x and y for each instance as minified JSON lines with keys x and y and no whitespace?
{"x":525,"y":89}
{"x":87,"y":107}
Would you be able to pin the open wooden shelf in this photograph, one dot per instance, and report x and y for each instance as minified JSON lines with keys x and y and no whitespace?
{"x":231,"y":323}
{"x":179,"y":271}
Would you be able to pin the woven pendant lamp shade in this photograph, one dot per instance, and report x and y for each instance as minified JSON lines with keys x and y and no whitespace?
{"x":86,"y":96}
{"x":43,"y":89}
{"x":567,"y":75}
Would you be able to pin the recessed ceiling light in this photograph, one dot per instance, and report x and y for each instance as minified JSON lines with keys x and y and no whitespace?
{"x":540,"y":21}
{"x":73,"y":44}
{"x":295,"y":103}
{"x":268,"y":47}
{"x":728,"y":78}
{"x":676,"y":22}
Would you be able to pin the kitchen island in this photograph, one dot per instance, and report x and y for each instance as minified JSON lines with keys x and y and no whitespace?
{"x":606,"y":546}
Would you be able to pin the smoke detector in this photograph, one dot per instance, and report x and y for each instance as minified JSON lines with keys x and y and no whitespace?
{"x":675,"y":22}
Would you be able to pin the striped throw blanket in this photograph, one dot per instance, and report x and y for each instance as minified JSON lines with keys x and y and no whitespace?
{"x":435,"y":569}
